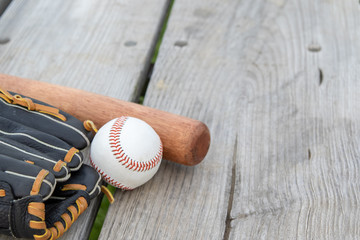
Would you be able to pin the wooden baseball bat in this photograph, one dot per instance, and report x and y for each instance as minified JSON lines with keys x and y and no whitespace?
{"x":185,"y":141}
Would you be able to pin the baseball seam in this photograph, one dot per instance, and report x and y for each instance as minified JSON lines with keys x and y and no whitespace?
{"x":119,"y":152}
{"x":109,"y":179}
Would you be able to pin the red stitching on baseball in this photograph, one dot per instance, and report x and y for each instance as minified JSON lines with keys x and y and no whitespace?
{"x":119,"y":152}
{"x":108,"y":178}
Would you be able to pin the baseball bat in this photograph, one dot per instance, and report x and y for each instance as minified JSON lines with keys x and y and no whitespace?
{"x":185,"y":140}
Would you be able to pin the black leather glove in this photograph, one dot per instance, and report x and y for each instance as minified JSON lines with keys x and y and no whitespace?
{"x":43,"y":185}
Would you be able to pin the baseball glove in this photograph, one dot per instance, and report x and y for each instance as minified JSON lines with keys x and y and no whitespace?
{"x":44,"y":186}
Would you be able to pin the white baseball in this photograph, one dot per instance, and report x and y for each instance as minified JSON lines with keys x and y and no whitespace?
{"x":127,"y":152}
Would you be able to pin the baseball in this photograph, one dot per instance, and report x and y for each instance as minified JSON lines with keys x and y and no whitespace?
{"x":127,"y":152}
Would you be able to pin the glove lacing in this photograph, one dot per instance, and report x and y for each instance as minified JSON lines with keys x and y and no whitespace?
{"x":30,"y":105}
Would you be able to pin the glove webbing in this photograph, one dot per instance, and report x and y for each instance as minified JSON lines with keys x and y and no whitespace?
{"x":30,"y":105}
{"x":38,"y":210}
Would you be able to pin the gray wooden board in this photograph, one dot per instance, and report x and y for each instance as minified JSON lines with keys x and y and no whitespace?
{"x":277,"y":83}
{"x":297,"y":170}
{"x":192,"y":78}
{"x":99,"y":46}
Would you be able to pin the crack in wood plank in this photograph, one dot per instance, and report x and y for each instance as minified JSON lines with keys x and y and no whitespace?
{"x":321,"y":76}
{"x":139,"y":97}
{"x":3,"y":5}
{"x":231,"y":195}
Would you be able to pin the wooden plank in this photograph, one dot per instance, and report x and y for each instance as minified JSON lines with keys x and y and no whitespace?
{"x":94,"y":45}
{"x":192,"y":77}
{"x":297,"y":169}
{"x":277,"y":83}
{"x":99,"y":46}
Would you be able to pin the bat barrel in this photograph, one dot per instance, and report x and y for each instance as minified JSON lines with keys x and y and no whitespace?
{"x":185,"y":140}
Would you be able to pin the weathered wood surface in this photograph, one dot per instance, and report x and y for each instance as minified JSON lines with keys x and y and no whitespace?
{"x":278,"y":84}
{"x":99,"y":46}
{"x":297,"y":170}
{"x":275,"y":80}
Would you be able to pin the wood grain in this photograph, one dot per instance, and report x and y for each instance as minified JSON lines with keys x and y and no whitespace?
{"x":277,"y":83}
{"x":190,"y":79}
{"x":299,"y":176}
{"x":98,"y":46}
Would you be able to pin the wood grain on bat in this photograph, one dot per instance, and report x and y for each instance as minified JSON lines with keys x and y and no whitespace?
{"x":186,"y":141}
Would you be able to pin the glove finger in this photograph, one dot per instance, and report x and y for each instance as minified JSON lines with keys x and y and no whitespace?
{"x":86,"y":179}
{"x":26,"y":179}
{"x":68,"y":129}
{"x":21,"y":152}
{"x":52,"y":146}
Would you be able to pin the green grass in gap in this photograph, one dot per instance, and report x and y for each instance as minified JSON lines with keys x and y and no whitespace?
{"x":162,"y":32}
{"x":100,"y":217}
{"x":95,"y":231}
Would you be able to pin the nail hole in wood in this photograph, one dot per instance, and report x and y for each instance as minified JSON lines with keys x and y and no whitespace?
{"x":321,"y":76}
{"x":181,"y":43}
{"x":314,"y":47}
{"x":130,"y":43}
{"x":4,"y":40}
